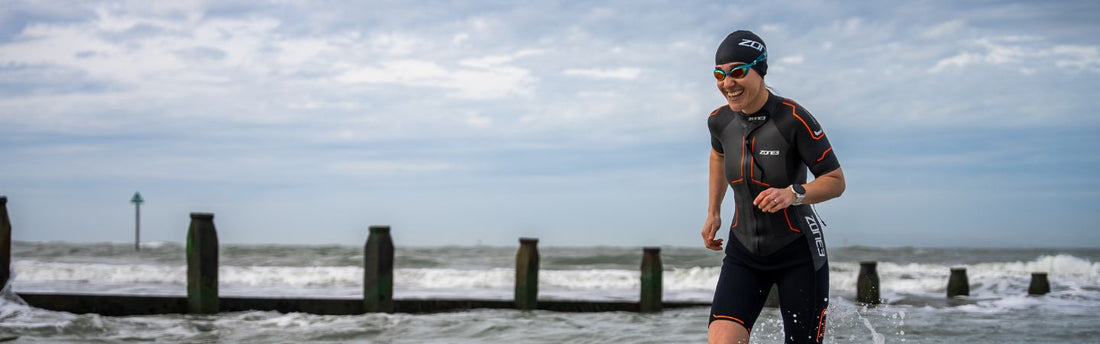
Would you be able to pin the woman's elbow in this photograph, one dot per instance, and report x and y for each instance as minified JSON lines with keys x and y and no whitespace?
{"x":839,"y":184}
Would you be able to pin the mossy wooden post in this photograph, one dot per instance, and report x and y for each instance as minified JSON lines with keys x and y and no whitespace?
{"x":527,"y":274}
{"x":5,"y":242}
{"x":867,"y":285}
{"x":1039,"y":284}
{"x":651,"y":280}
{"x":378,"y":271}
{"x":958,"y":284}
{"x":202,"y":265}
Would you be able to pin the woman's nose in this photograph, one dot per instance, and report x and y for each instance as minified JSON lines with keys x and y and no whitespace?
{"x":728,"y":82}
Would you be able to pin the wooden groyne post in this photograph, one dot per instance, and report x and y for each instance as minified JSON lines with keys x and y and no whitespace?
{"x":5,"y":242}
{"x":202,"y":265}
{"x":1039,"y":284}
{"x":958,"y":284}
{"x":527,"y":274}
{"x":378,"y":271}
{"x":867,"y":285}
{"x":650,"y":300}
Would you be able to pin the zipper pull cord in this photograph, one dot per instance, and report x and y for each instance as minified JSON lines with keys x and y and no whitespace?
{"x":812,"y":207}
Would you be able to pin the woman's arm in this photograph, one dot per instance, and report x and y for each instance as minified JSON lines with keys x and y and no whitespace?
{"x":716,"y":193}
{"x":823,"y":188}
{"x":826,"y":187}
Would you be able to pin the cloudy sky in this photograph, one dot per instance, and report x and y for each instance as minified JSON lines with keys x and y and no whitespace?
{"x":958,"y":123}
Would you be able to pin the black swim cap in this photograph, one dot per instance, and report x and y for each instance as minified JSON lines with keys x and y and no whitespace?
{"x":742,"y":46}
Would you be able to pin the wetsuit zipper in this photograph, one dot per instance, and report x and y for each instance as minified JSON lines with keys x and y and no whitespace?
{"x":746,"y":164}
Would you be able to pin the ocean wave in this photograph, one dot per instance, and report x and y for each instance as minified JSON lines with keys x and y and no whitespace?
{"x":992,"y":278}
{"x":1068,"y":275}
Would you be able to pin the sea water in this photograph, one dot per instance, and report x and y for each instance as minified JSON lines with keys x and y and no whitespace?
{"x":913,"y":283}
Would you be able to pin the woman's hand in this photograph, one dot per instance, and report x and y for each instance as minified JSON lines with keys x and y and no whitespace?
{"x":710,"y":229}
{"x":824,"y":187}
{"x":773,"y":200}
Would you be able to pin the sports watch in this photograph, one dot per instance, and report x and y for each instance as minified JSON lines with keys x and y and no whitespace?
{"x":799,"y":193}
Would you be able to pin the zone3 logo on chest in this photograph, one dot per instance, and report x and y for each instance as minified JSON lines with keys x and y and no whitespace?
{"x":768,"y":152}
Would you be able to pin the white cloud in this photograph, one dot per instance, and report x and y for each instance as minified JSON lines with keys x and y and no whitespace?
{"x":944,"y":30}
{"x":488,"y":81}
{"x":478,"y":121}
{"x":373,"y":168}
{"x":491,"y":61}
{"x":487,"y":61}
{"x":1077,"y":57}
{"x":1025,"y":52}
{"x":460,"y":38}
{"x":852,"y":26}
{"x":404,"y":72}
{"x":960,"y":60}
{"x":298,"y":51}
{"x":773,"y":28}
{"x":792,"y":60}
{"x":623,"y":73}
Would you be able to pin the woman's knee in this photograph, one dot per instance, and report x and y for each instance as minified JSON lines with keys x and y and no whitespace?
{"x":724,"y":331}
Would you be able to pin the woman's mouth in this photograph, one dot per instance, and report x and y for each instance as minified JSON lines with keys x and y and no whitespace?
{"x":735,"y":93}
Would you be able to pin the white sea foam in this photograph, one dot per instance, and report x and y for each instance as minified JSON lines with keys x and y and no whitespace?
{"x":992,"y":278}
{"x":1072,"y":278}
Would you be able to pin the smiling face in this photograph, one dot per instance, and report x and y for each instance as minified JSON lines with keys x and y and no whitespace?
{"x":747,"y":94}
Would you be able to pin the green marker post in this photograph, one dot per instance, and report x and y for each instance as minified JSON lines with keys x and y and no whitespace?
{"x":137,"y":201}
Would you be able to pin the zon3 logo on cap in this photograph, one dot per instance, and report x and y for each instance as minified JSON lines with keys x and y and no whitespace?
{"x":752,"y":44}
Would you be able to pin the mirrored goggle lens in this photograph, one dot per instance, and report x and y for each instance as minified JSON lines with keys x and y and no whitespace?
{"x":735,"y":72}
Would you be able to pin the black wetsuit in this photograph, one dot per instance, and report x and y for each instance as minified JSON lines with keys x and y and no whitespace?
{"x":773,"y":148}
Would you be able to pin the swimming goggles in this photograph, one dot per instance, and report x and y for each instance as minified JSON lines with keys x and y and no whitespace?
{"x":739,"y":71}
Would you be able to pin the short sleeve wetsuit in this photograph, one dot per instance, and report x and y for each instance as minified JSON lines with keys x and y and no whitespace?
{"x":773,"y":148}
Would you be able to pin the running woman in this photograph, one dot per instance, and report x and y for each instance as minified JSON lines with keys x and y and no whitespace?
{"x":762,"y":145}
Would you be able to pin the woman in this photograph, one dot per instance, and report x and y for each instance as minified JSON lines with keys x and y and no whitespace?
{"x":762,"y":146}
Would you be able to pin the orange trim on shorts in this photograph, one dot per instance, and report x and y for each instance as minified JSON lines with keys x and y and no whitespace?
{"x":821,"y":324}
{"x":726,"y":317}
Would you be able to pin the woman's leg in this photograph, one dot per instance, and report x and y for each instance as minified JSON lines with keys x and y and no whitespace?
{"x":738,"y":299}
{"x":803,"y":301}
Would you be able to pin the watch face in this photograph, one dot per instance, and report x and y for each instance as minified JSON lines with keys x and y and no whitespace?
{"x":799,"y":189}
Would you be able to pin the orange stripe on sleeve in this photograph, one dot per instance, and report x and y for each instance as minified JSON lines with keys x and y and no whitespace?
{"x":823,"y":154}
{"x":815,"y":137}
